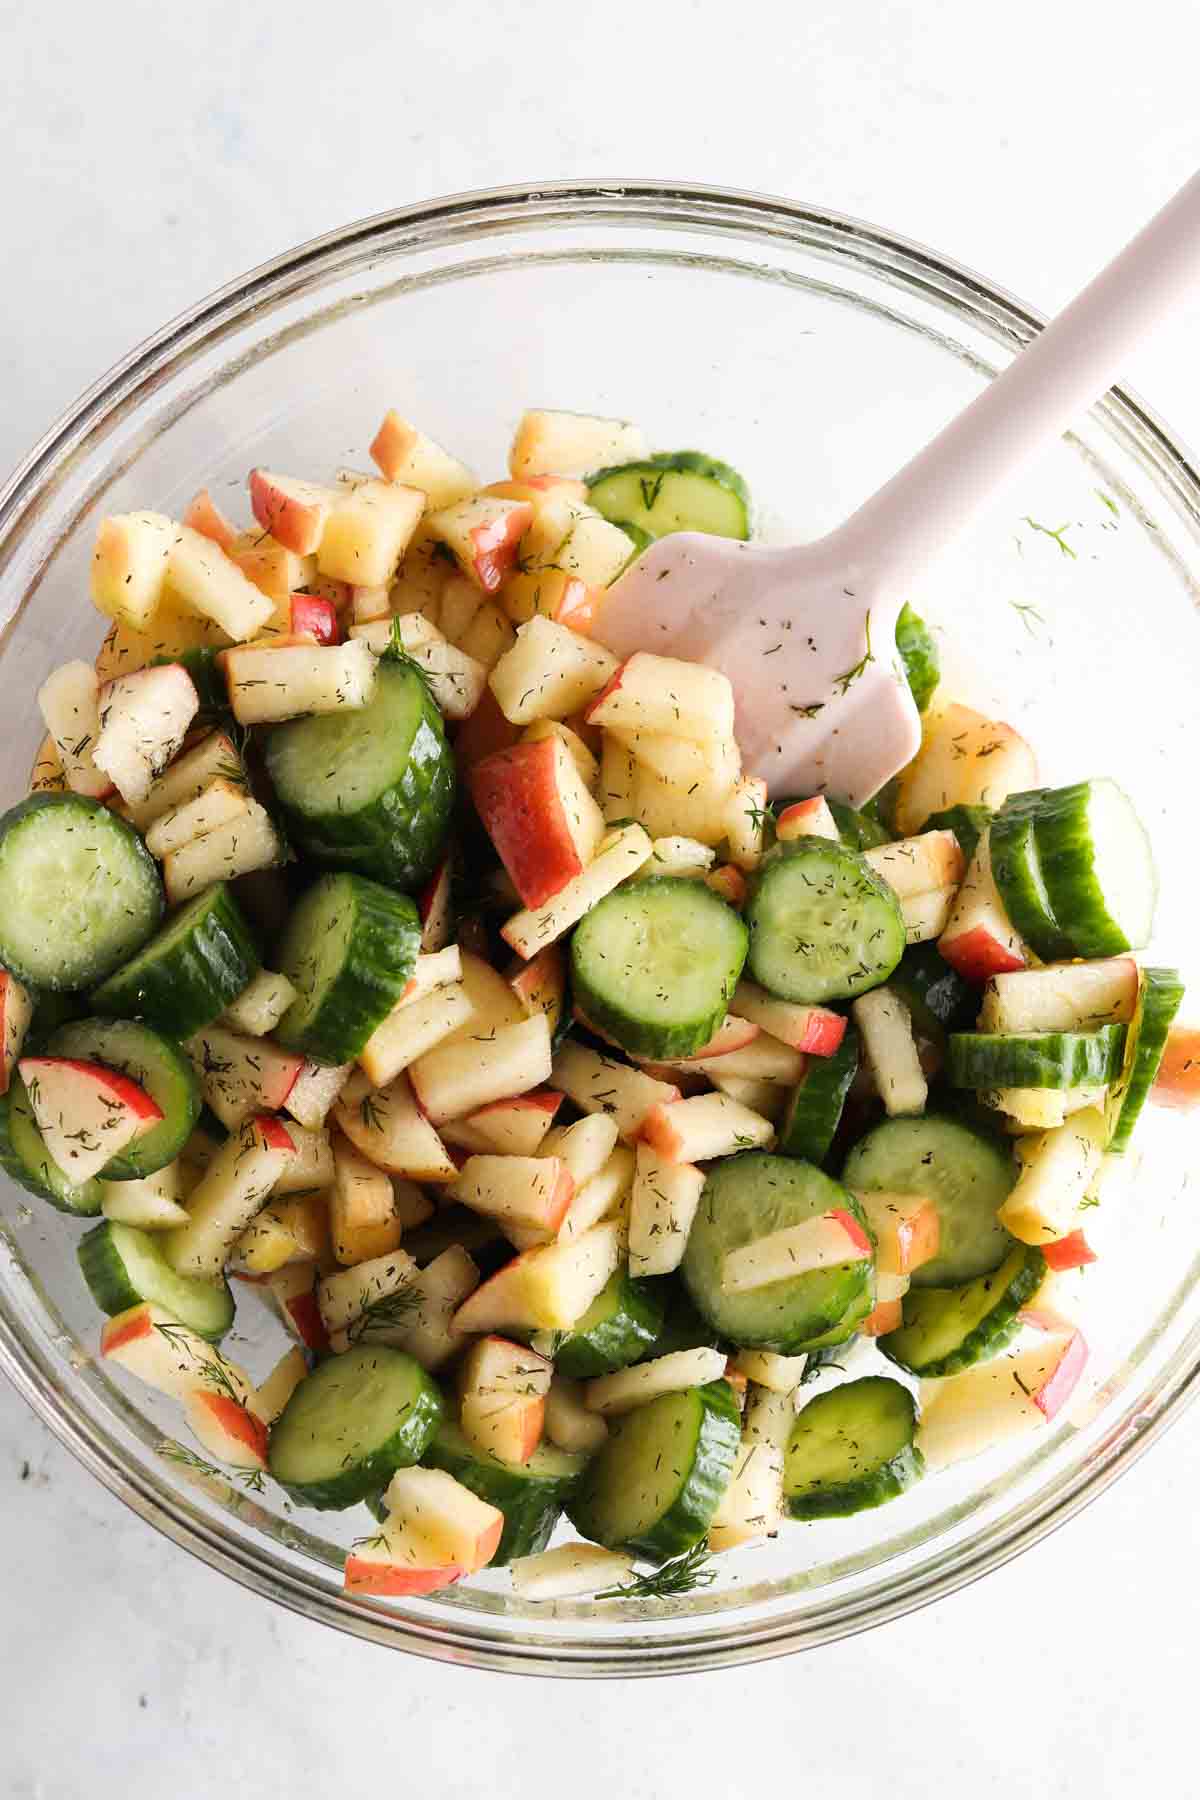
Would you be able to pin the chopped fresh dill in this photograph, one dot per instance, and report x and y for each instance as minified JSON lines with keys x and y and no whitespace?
{"x":1056,"y":535}
{"x":679,"y":1576}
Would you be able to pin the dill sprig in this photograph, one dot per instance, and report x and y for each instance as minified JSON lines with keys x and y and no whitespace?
{"x":1055,"y":534}
{"x":386,"y":1313}
{"x":251,"y":1479}
{"x":679,"y":1576}
{"x":846,"y":681}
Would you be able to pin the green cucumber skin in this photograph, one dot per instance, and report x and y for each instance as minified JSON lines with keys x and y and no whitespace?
{"x":379,"y":963}
{"x":610,"y":999}
{"x":832,"y":871}
{"x":207,"y":1307}
{"x":405,"y":1446}
{"x":859,"y":830}
{"x":531,"y":1503}
{"x":629,"y":493}
{"x":157,"y":1065}
{"x":208,"y":679}
{"x":967,"y":821}
{"x":1065,"y":855}
{"x":64,"y":974}
{"x":1160,"y":999}
{"x":184,"y":988}
{"x":34,"y":1170}
{"x":814,"y":1111}
{"x":1016,"y":869}
{"x":1014,"y":1283}
{"x":622,"y":1326}
{"x":397,"y":837}
{"x":919,"y":655}
{"x":874,"y":1487}
{"x":687,"y":1519}
{"x":1056,"y":1060}
{"x":935,"y":994}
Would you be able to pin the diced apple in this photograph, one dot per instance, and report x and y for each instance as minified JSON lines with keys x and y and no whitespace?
{"x":662,"y":1207}
{"x":239,"y":847}
{"x":235,"y":1185}
{"x":396,"y":1560}
{"x":979,"y":940}
{"x":966,"y":1414}
{"x":604,"y":1195}
{"x":517,"y":1127}
{"x":781,"y":1374}
{"x":618,"y":778}
{"x":594,"y":551}
{"x":540,"y":490}
{"x":69,"y":703}
{"x":489,"y":636}
{"x":764,"y":1058}
{"x":729,"y":882}
{"x":241,"y":1076}
{"x":260,"y":1005}
{"x":312,"y":615}
{"x":681,"y":856}
{"x":405,"y":455}
{"x":85,"y":1112}
{"x":317,"y":1087}
{"x":1056,"y":1170}
{"x":732,"y":1034}
{"x":890,"y":1051}
{"x":16,"y":1011}
{"x":906,"y":1229}
{"x":216,"y":586}
{"x":550,"y":443}
{"x":811,"y":1030}
{"x":390,"y":1130}
{"x":369,"y":604}
{"x":1070,"y":996}
{"x":205,"y":516}
{"x":569,"y":1423}
{"x":220,"y":802}
{"x":915,"y":865}
{"x":214,"y":758}
{"x":550,"y":593}
{"x":129,"y":565}
{"x":752,"y":1504}
{"x":289,"y":1228}
{"x":807,"y":818}
{"x":460,"y":602}
{"x":458,"y":1078}
{"x":294,"y":512}
{"x":1070,"y":1252}
{"x":825,"y":1242}
{"x":425,"y":1328}
{"x":569,"y":1570}
{"x":1177,"y":1083}
{"x":152,"y":1344}
{"x":143,"y":720}
{"x":540,"y":984}
{"x":362,"y":1215}
{"x":435,"y":910}
{"x":413,"y":1029}
{"x":765,"y":1097}
{"x":152,"y":1204}
{"x":926,"y":916}
{"x":457,"y":682}
{"x":545,"y":1289}
{"x":275,"y":571}
{"x":368,"y":531}
{"x":226,"y":1429}
{"x":610,"y":1395}
{"x":550,"y":673}
{"x":617,"y":857}
{"x":270,"y":683}
{"x":458,"y":1526}
{"x":413,"y":630}
{"x":705,"y":1127}
{"x":294,"y":1291}
{"x":746,"y":821}
{"x":273,"y":1394}
{"x":597,"y":1084}
{"x":504,"y":1387}
{"x":697,"y":809}
{"x":349,"y":1294}
{"x":711,"y":768}
{"x":662,"y":694}
{"x":496,"y":1007}
{"x":539,"y":814}
{"x":965,"y":759}
{"x":312,"y":1165}
{"x":483,"y":534}
{"x":531,"y":1191}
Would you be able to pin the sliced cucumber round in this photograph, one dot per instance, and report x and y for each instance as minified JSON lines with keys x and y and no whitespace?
{"x":189,"y":973}
{"x":814,"y":1110}
{"x":620,"y":1327}
{"x":24,"y":1156}
{"x":1035,"y":1059}
{"x":965,"y":1173}
{"x":158,"y":1066}
{"x":371,"y":788}
{"x":946,"y":1329}
{"x":751,"y":1196}
{"x":655,"y":963}
{"x":1017,"y":870}
{"x":919,"y":655}
{"x":530,"y":1495}
{"x":79,"y":891}
{"x":967,"y":821}
{"x":852,"y":1448}
{"x":351,"y":1424}
{"x":823,"y":925}
{"x":124,"y":1266}
{"x":656,"y":1483}
{"x":1097,"y":867}
{"x":349,"y":950}
{"x":1159,"y":998}
{"x":679,"y":490}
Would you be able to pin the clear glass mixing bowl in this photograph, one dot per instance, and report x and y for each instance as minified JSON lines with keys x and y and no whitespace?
{"x":815,"y":353}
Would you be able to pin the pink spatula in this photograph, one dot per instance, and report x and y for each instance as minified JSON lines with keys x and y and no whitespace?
{"x":807,"y":634}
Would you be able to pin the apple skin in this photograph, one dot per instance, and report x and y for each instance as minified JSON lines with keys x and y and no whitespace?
{"x":205,"y":516}
{"x":1177,"y":1083}
{"x":315,"y":616}
{"x":229,"y":1419}
{"x":1072,"y":1252}
{"x":273,"y":1131}
{"x":364,"y":1576}
{"x":979,"y":954}
{"x":294,"y":512}
{"x":518,"y":797}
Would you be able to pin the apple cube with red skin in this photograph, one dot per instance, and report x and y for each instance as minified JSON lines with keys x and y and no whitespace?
{"x":979,"y":940}
{"x":964,"y":1415}
{"x":313,"y":615}
{"x":548,"y":442}
{"x":555,"y":594}
{"x":545,"y":1289}
{"x":16,"y":1010}
{"x":393,"y":1132}
{"x":906,"y":1228}
{"x":663,"y":694}
{"x":807,"y":818}
{"x":240,"y":1177}
{"x":705,"y":1127}
{"x":143,"y":718}
{"x":1070,"y":1252}
{"x":69,"y":701}
{"x":294,"y":1291}
{"x":129,"y":565}
{"x":367,"y":532}
{"x":219,"y":585}
{"x":435,"y":911}
{"x":812,"y":1030}
{"x":227,"y":1430}
{"x":395,"y":1562}
{"x":316,"y":1088}
{"x":462,"y":1075}
{"x":85,"y":1112}
{"x":533,"y":1191}
{"x":273,"y":1393}
{"x":504,"y":1387}
{"x":965,"y":759}
{"x":825,"y":1242}
{"x":205,"y":516}
{"x":1177,"y":1083}
{"x":516,"y":1127}
{"x":539,"y":815}
{"x":294,"y":512}
{"x":598,"y":1084}
{"x":405,"y":455}
{"x":153,"y":1345}
{"x":729,"y":882}
{"x":241,"y":1076}
{"x":456,"y":1524}
{"x":484,"y":536}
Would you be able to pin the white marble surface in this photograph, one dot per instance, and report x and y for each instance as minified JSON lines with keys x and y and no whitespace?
{"x":151,"y":152}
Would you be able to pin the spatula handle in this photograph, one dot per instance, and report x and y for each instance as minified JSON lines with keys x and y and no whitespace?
{"x":1049,"y":385}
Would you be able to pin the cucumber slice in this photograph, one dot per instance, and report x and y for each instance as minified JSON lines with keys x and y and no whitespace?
{"x":1017,"y":870}
{"x":621,"y":1326}
{"x":372,"y":788}
{"x":349,"y":950}
{"x":1097,"y":867}
{"x":937,"y":997}
{"x":530,"y":1495}
{"x":79,"y":891}
{"x":24,"y":1156}
{"x":859,"y":830}
{"x":1035,"y":1059}
{"x":641,"y":540}
{"x":1159,"y":998}
{"x":968,"y":822}
{"x":814,"y":1110}
{"x":124,"y":1266}
{"x":157,"y":1065}
{"x":654,"y":965}
{"x":187,"y":975}
{"x":823,"y":925}
{"x":967,"y":1175}
{"x":852,"y":1448}
{"x":919,"y":655}
{"x":351,"y":1424}
{"x":748,"y":1197}
{"x":657,"y":1482}
{"x":946,"y":1329}
{"x":680,"y":490}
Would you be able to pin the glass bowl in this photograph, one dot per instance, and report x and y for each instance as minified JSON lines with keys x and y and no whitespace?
{"x":815,"y":353}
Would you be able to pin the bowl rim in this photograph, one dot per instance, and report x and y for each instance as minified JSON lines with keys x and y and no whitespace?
{"x":472,"y":1639}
